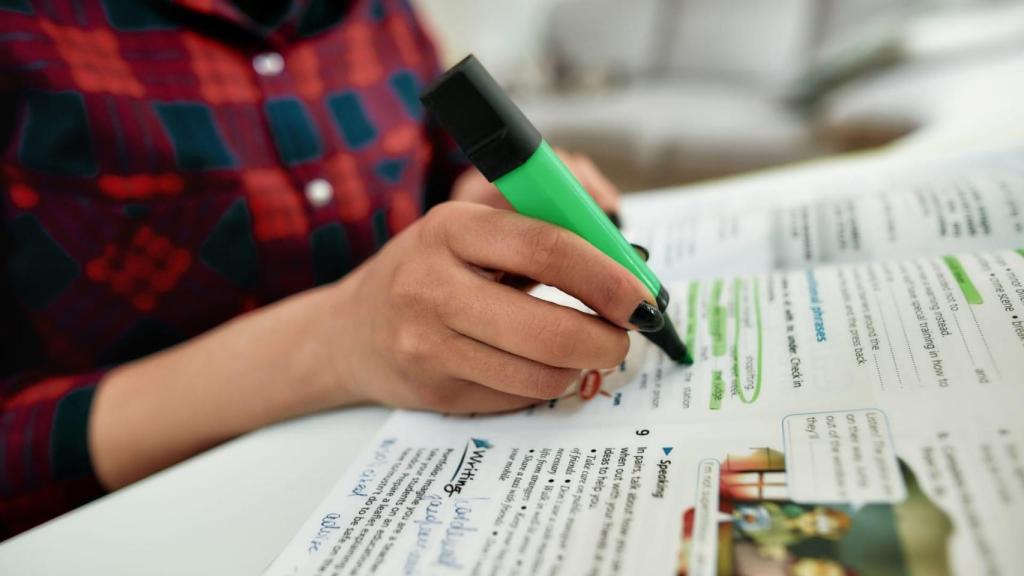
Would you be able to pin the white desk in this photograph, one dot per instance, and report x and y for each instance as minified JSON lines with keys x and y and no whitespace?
{"x":227,"y":511}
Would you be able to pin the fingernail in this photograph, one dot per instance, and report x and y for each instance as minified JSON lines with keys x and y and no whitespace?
{"x":614,"y":217}
{"x":647,"y":318}
{"x":644,"y":253}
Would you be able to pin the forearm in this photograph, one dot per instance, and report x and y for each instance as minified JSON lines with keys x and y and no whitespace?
{"x":258,"y":369}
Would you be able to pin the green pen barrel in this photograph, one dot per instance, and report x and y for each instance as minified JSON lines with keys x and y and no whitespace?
{"x":509,"y":151}
{"x":545,"y":189}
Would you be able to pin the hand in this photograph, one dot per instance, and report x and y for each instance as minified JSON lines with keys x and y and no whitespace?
{"x":471,"y":186}
{"x":425,"y":324}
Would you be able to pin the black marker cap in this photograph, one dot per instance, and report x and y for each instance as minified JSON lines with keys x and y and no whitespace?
{"x":491,"y":130}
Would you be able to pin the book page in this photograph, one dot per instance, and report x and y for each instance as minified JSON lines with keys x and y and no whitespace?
{"x":854,"y":212}
{"x":858,"y":416}
{"x":868,"y":334}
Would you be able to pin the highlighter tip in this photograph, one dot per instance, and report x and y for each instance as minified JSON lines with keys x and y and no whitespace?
{"x":682,"y":354}
{"x":668,"y":340}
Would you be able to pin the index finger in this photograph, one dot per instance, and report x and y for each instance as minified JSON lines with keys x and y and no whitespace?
{"x":502,"y":240}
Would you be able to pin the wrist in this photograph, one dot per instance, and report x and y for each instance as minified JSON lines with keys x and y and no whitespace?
{"x":269,"y":365}
{"x":322,"y":361}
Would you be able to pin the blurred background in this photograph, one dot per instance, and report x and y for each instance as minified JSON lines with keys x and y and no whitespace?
{"x":662,"y":92}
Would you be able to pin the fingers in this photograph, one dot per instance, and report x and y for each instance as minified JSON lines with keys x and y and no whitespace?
{"x":596,"y":183}
{"x":471,"y":186}
{"x":466,"y":397}
{"x":499,"y":370}
{"x":500,"y":240}
{"x":533,"y":328}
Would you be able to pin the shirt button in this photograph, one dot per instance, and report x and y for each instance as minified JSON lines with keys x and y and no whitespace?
{"x":268,"y":64}
{"x":319,"y":192}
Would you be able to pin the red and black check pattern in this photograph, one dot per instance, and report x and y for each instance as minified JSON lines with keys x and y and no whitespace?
{"x":141,"y":271}
{"x":153,"y":185}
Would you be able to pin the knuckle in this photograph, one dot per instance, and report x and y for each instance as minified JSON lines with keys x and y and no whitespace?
{"x":412,"y":345}
{"x":559,"y":339}
{"x":543,"y":245}
{"x":618,"y":348}
{"x":613,"y":288}
{"x":418,"y":284}
{"x":439,"y":220}
{"x":406,"y":282}
{"x":443,"y":211}
{"x":550,"y":383}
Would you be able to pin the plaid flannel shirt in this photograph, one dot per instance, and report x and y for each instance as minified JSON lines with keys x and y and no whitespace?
{"x":169,"y":165}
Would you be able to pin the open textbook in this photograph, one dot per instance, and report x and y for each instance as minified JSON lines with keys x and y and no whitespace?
{"x":856,"y":405}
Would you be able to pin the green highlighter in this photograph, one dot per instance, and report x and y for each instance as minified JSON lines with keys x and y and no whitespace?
{"x":509,"y":151}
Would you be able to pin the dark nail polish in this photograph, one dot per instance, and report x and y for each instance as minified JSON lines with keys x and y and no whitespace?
{"x":614,"y":217}
{"x":647,"y":318}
